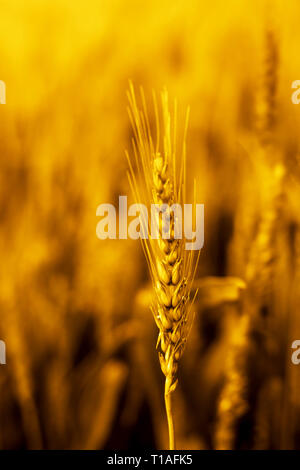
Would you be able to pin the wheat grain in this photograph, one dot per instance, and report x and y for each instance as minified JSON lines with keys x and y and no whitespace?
{"x":172,"y":268}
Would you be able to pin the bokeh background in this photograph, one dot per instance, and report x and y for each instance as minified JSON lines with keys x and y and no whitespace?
{"x":82,"y":371}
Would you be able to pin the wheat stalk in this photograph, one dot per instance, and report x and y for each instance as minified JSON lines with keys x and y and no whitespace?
{"x":154,"y":179}
{"x":259,"y":264}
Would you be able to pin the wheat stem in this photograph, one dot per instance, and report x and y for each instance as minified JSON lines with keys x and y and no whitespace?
{"x":168,"y":404}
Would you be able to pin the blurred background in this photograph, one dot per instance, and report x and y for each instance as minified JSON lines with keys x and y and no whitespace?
{"x":82,"y":371}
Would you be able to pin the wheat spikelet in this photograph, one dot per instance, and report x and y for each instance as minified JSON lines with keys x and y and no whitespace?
{"x":171,"y":267}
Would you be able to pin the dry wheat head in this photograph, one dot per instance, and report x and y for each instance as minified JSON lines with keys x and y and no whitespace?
{"x":154,"y":180}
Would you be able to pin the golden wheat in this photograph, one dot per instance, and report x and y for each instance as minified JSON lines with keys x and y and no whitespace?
{"x":172,"y":268}
{"x":259,"y":263}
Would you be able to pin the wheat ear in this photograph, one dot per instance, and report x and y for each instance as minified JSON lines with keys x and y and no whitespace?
{"x":154,"y":179}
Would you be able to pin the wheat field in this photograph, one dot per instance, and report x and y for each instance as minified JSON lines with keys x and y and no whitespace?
{"x":82,"y":369}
